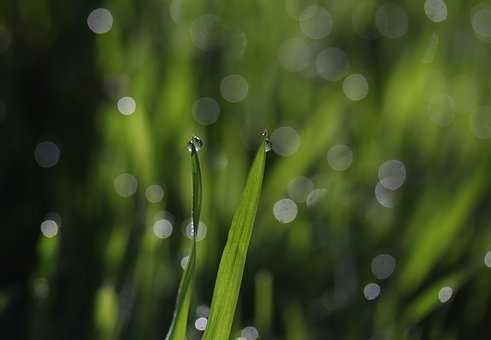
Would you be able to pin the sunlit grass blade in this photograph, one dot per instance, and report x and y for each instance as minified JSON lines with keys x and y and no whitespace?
{"x":177,"y":330}
{"x":233,"y":259}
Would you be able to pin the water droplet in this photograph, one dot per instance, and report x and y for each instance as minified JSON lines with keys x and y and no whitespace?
{"x":268,"y":145}
{"x":200,"y":233}
{"x":184,"y":262}
{"x":196,"y":143}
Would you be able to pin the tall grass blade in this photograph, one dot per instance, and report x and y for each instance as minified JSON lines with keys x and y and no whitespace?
{"x":177,"y":330}
{"x":233,"y":259}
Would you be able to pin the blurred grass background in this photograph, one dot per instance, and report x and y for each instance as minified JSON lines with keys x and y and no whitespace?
{"x":82,"y":254}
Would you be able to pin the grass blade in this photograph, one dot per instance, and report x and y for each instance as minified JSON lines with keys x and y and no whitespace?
{"x":233,"y":259}
{"x":177,"y":330}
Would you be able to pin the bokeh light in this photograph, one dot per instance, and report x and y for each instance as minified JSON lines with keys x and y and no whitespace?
{"x":392,"y":174}
{"x":154,"y":193}
{"x":202,"y":311}
{"x":285,"y":210}
{"x":481,"y":122}
{"x":355,"y":87}
{"x":436,"y":10}
{"x":126,"y":105}
{"x":200,"y":324}
{"x":100,"y":20}
{"x":249,"y":333}
{"x":315,"y":22}
{"x":340,"y":157}
{"x":295,"y":55}
{"x":49,"y":228}
{"x":441,"y":108}
{"x":386,"y":197}
{"x":315,"y":196}
{"x":125,"y":185}
{"x":205,"y":31}
{"x":234,"y":88}
{"x":445,"y":294}
{"x":371,"y":291}
{"x":162,"y":228}
{"x":299,"y":188}
{"x":331,"y":63}
{"x":391,"y":20}
{"x":383,"y":266}
{"x":481,"y":21}
{"x":47,"y":154}
{"x":487,"y":259}
{"x":206,"y":111}
{"x":286,"y":141}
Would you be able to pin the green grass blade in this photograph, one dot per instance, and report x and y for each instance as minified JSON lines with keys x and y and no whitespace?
{"x":233,"y":259}
{"x":177,"y":330}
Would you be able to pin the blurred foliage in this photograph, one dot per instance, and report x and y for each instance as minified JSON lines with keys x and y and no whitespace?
{"x":106,"y":275}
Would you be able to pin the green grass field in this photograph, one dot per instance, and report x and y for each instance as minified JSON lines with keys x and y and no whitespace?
{"x":373,"y":216}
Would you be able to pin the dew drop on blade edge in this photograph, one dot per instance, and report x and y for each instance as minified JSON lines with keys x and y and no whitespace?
{"x":267,"y":142}
{"x":195,"y":142}
{"x":268,"y":145}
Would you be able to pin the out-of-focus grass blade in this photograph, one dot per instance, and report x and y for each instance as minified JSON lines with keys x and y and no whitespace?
{"x":177,"y":330}
{"x":233,"y":259}
{"x":431,"y":243}
{"x":295,"y":323}
{"x":263,"y":304}
{"x":427,"y":301}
